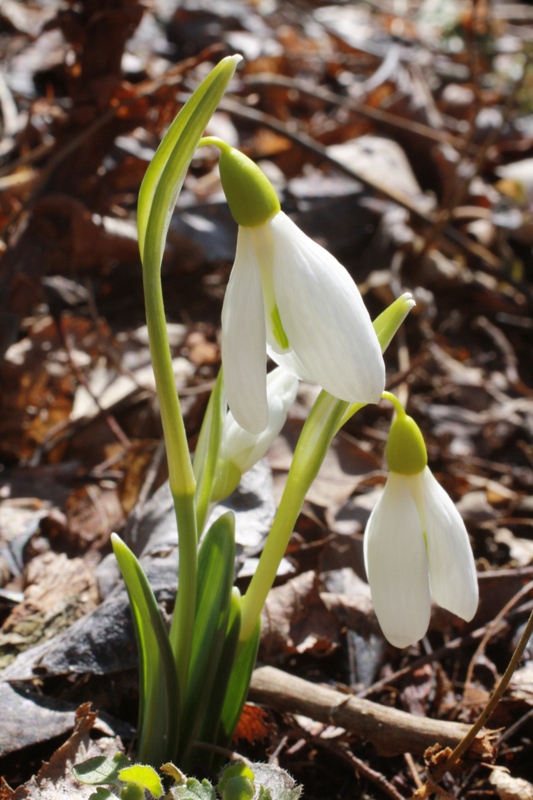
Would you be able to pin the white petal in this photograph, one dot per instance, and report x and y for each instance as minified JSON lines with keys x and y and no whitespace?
{"x":290,"y":362}
{"x":264,"y":252}
{"x":244,"y":339}
{"x":452,"y":571}
{"x":396,"y":565}
{"x":324,"y":316}
{"x":244,"y":448}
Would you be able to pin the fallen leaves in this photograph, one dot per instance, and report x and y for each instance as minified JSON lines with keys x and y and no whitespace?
{"x":55,"y":778}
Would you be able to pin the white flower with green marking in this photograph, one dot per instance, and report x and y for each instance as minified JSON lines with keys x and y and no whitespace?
{"x":240,"y":449}
{"x":291,"y":298}
{"x":416,"y":545}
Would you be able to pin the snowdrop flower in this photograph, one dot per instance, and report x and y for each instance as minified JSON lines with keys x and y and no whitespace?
{"x":416,"y":545}
{"x":239,"y":449}
{"x":290,"y":297}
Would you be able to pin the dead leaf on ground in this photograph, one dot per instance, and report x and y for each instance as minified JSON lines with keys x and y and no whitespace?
{"x":510,"y":788}
{"x":55,"y":778}
{"x":345,"y":466}
{"x":252,"y":724}
{"x":296,"y":620}
{"x":58,"y":592}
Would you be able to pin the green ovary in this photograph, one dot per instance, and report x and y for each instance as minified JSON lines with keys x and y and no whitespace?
{"x":278,"y":330}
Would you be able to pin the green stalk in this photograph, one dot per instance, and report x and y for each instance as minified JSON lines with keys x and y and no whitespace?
{"x":319,"y":429}
{"x":180,"y":473}
{"x":157,"y":197}
{"x":182,"y":625}
{"x":326,"y":418}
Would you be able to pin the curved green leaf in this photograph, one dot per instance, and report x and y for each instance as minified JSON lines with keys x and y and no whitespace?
{"x":216,"y":564}
{"x":165,"y":175}
{"x":238,"y":686}
{"x":207,"y":451}
{"x":159,"y":697}
{"x":211,"y":717}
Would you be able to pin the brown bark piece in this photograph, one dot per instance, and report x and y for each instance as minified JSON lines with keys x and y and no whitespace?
{"x":390,"y":730}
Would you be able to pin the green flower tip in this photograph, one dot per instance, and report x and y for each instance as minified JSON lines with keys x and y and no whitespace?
{"x":406,"y":451}
{"x":250,"y":195}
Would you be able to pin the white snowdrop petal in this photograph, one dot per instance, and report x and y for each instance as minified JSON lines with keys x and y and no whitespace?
{"x":324,"y":316}
{"x":290,"y":362}
{"x":452,"y":571}
{"x":396,"y":565}
{"x":244,"y":339}
{"x":244,"y":448}
{"x":236,"y":440}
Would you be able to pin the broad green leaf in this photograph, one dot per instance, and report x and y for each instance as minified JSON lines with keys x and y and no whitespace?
{"x":207,"y":451}
{"x":216,"y":565}
{"x":211,"y":722}
{"x":159,"y":698}
{"x":100,"y":769}
{"x":238,"y":686}
{"x":193,"y":790}
{"x":275,"y":783}
{"x":144,"y":776}
{"x":165,"y":175}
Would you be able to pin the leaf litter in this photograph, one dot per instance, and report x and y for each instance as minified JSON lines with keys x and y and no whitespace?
{"x":400,"y":137}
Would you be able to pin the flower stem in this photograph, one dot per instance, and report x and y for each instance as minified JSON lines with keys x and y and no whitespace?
{"x":319,"y":429}
{"x":182,"y":625}
{"x":181,"y":476}
{"x":215,"y":141}
{"x":400,"y":410}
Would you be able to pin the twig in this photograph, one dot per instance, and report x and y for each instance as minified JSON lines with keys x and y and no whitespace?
{"x":390,"y":730}
{"x":491,"y":630}
{"x":438,"y":654}
{"x":485,"y":715}
{"x":404,"y":358}
{"x":501,"y":738}
{"x":377,"y":114}
{"x":505,"y":347}
{"x":411,"y":766}
{"x":462,"y":184}
{"x":238,"y":109}
{"x":231,"y":755}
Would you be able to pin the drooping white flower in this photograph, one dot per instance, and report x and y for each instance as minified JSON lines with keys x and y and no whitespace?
{"x":240,"y":449}
{"x":290,"y":297}
{"x":244,"y":449}
{"x":416,"y":549}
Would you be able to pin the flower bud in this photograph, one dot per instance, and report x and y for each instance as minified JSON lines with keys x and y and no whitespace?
{"x":240,"y":449}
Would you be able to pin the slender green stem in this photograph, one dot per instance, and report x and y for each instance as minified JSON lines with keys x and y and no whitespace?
{"x":400,"y":410}
{"x":214,"y":141}
{"x":182,"y":626}
{"x":320,"y":428}
{"x":181,"y":476}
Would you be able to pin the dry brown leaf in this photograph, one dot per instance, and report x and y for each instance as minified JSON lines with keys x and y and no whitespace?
{"x":510,"y":788}
{"x":55,"y":779}
{"x":295,"y":619}
{"x":252,"y":724}
{"x":58,"y":592}
{"x":345,"y":465}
